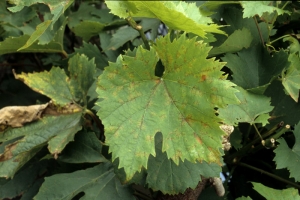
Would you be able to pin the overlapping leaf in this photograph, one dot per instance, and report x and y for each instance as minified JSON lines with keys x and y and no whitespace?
{"x":291,"y":78}
{"x":254,"y":67}
{"x":252,"y":8}
{"x":166,"y":176}
{"x":188,"y":15}
{"x":252,"y":109}
{"x":286,"y":157}
{"x":98,"y":182}
{"x":36,"y":135}
{"x":57,"y":8}
{"x":58,"y":86}
{"x":273,"y":194}
{"x":136,"y":104}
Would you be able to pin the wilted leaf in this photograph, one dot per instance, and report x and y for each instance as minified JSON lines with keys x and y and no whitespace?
{"x":187,"y":15}
{"x":170,"y":178}
{"x":98,"y":182}
{"x":291,"y":78}
{"x":136,"y":104}
{"x":252,"y":106}
{"x":273,"y":194}
{"x":17,"y":116}
{"x":288,"y":158}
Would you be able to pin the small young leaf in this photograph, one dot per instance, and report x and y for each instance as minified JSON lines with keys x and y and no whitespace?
{"x":136,"y":104}
{"x":273,"y":194}
{"x":291,"y":79}
{"x":98,"y":182}
{"x":286,"y":157}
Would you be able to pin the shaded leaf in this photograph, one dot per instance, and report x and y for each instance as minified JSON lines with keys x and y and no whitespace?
{"x":254,"y":67}
{"x":251,"y":108}
{"x":291,"y":78}
{"x":170,"y":178}
{"x":93,"y":28}
{"x":273,"y":194}
{"x":98,"y":182}
{"x":85,"y":149}
{"x":238,"y":40}
{"x":285,"y":108}
{"x":252,"y":8}
{"x":288,"y":158}
{"x":136,"y":104}
{"x":36,"y":135}
{"x":188,"y":15}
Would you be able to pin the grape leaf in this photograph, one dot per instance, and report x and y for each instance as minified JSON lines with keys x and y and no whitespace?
{"x":35,"y":136}
{"x":286,"y":157}
{"x":252,"y":106}
{"x":273,"y":194}
{"x":187,"y":15}
{"x":85,"y":149}
{"x":98,"y":182}
{"x":57,"y":8}
{"x":137,"y":104}
{"x":291,"y":78}
{"x":238,"y":40}
{"x":93,"y":28}
{"x":243,"y":198}
{"x":169,"y":178}
{"x":254,"y":67}
{"x":285,"y":108}
{"x":252,"y":8}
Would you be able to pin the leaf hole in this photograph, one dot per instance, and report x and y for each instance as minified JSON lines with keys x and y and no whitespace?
{"x":159,"y":69}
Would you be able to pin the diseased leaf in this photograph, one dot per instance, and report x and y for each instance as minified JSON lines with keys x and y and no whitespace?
{"x":98,"y":182}
{"x":17,"y":116}
{"x":36,"y":135}
{"x":251,"y":108}
{"x":188,"y":15}
{"x":291,"y":78}
{"x":286,"y":157}
{"x":170,"y":178}
{"x":235,"y":42}
{"x":273,"y":194}
{"x":254,"y":67}
{"x":137,"y":104}
{"x":252,"y":8}
{"x":86,"y":148}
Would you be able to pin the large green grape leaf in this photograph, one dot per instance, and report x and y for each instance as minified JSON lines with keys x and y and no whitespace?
{"x":291,"y":78}
{"x":137,"y":104}
{"x":252,"y":106}
{"x":273,"y":194}
{"x":58,"y":86}
{"x":99,"y":182}
{"x":286,"y":157}
{"x":254,"y":67}
{"x":187,"y":15}
{"x":36,"y":135}
{"x":252,"y":8}
{"x":164,"y":175}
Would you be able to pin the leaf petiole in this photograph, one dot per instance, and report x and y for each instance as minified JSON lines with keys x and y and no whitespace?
{"x":139,"y":28}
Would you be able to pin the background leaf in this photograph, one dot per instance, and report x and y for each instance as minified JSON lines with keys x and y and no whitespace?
{"x":97,"y":182}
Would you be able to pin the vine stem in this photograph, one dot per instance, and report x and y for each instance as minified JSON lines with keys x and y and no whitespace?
{"x":270,"y":174}
{"x":260,"y":35}
{"x":139,"y":28}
